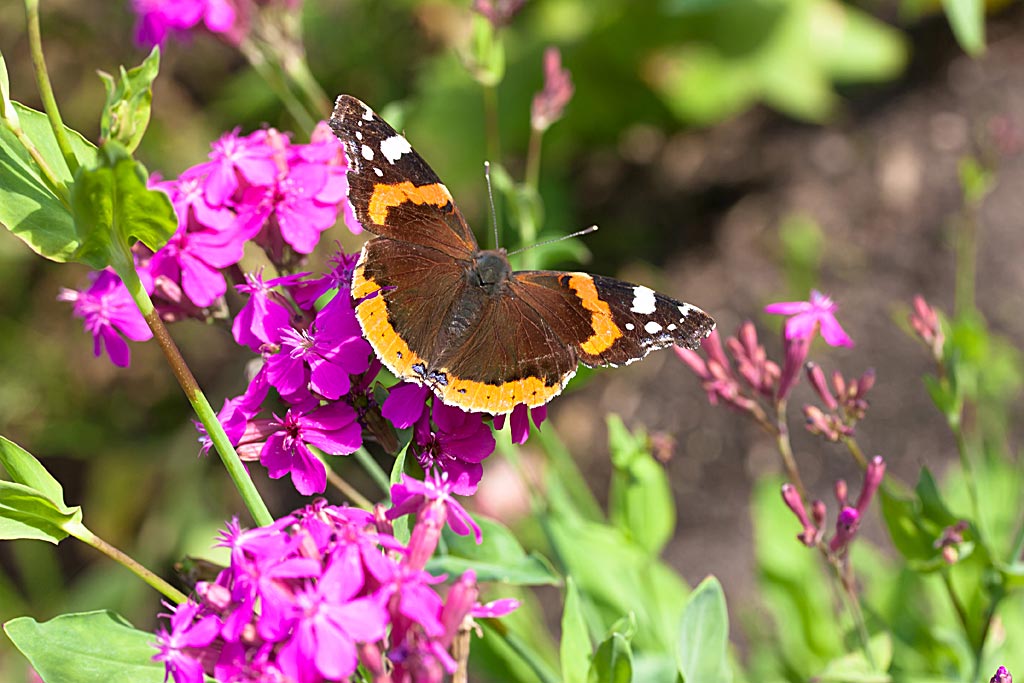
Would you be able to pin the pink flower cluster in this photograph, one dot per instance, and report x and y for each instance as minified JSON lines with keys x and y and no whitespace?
{"x":259,"y":187}
{"x":327,"y":589}
{"x":757,"y":379}
{"x":848,"y":520}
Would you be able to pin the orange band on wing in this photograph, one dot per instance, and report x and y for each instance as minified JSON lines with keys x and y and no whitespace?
{"x":392,"y":350}
{"x":498,"y":398}
{"x":605,"y":330}
{"x":386,"y":196}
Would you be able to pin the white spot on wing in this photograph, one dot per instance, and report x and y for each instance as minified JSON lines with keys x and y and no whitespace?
{"x":687,"y":309}
{"x":652,"y":327}
{"x":367,"y":153}
{"x":367,"y":112}
{"x":630,"y":326}
{"x":380,"y":173}
{"x":643,"y":300}
{"x":672,"y":327}
{"x":359,"y":135}
{"x":394,"y":147}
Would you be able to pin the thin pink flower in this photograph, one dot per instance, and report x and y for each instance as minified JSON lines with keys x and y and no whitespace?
{"x":806,"y":317}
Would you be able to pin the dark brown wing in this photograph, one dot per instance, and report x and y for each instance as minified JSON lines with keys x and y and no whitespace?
{"x":404,"y":292}
{"x":392,"y":189}
{"x":508,"y":356}
{"x":608,"y":321}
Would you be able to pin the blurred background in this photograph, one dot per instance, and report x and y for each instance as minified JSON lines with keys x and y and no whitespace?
{"x":733,"y":152}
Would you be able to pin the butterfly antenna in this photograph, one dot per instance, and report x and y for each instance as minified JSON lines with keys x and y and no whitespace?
{"x":490,"y":197}
{"x":578,"y":233}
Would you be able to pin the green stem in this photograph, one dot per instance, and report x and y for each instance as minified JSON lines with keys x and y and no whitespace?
{"x":966,"y":260}
{"x":532,"y":177}
{"x":970,"y":481}
{"x":849,"y":597}
{"x":786,"y":448}
{"x":236,"y":470}
{"x":298,"y":71}
{"x":376,"y":472}
{"x":54,"y":183}
{"x":338,"y":482}
{"x":80,"y":532}
{"x":35,"y":43}
{"x":521,"y":648}
{"x":272,"y":77}
{"x":491,"y":121}
{"x":958,"y":606}
{"x":854,"y":448}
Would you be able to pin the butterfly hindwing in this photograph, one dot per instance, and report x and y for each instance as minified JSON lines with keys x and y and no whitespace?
{"x":393,"y":190}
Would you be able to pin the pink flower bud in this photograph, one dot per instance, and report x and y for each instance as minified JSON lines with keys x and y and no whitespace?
{"x":847,"y":525}
{"x":796,"y":353}
{"x":793,"y":501}
{"x":549,"y":103}
{"x":816,"y":376}
{"x":498,"y":12}
{"x":839,"y":488}
{"x":1001,"y":676}
{"x":872,"y":479}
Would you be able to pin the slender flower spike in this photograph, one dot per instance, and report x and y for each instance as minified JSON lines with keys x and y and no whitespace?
{"x":796,"y":349}
{"x":807,"y":317}
{"x":925,"y":322}
{"x":549,"y":103}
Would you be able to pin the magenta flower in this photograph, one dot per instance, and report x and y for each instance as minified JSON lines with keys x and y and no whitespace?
{"x":234,"y":159}
{"x":157,"y":18}
{"x":265,"y":314}
{"x":457,"y":444}
{"x":109,"y":315}
{"x":1002,"y":675}
{"x":181,"y":648}
{"x":519,"y":421}
{"x":410,"y":495}
{"x":330,"y":623}
{"x":806,"y":317}
{"x":405,"y":404}
{"x":339,"y":278}
{"x":332,"y":428}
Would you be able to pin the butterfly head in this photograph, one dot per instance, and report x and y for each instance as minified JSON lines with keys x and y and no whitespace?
{"x":491,"y":269}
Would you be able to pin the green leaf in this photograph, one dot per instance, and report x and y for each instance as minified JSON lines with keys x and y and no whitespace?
{"x":6,"y":107}
{"x":499,"y":557}
{"x":613,"y":661}
{"x":641,"y":502}
{"x":704,"y":636}
{"x":400,"y":526}
{"x":967,"y":19}
{"x":23,"y":468}
{"x":855,"y":667}
{"x":575,"y":648}
{"x":126,"y":112}
{"x":85,"y":648}
{"x":26,"y":513}
{"x":485,"y":57}
{"x":113,"y":207}
{"x":28,"y":207}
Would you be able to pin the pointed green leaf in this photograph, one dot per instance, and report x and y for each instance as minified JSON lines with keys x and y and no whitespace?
{"x":575,"y":648}
{"x":28,"y":207}
{"x":641,"y":502}
{"x":113,"y":207}
{"x":85,"y":648}
{"x":704,"y":636}
{"x":126,"y":113}
{"x":26,"y":513}
{"x":23,"y":468}
{"x":499,"y":557}
{"x":967,"y":19}
{"x":613,"y":661}
{"x":400,"y":526}
{"x":6,"y":107}
{"x":855,"y":667}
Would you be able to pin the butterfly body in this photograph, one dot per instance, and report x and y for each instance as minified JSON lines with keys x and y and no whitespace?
{"x":442,"y":312}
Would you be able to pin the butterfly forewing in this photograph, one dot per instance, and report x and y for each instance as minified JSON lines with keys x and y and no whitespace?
{"x":392,"y":189}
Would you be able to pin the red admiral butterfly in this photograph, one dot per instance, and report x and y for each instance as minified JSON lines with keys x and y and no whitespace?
{"x":441,"y":312}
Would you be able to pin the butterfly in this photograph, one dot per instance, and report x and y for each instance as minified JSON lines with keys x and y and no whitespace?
{"x":441,"y":312}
